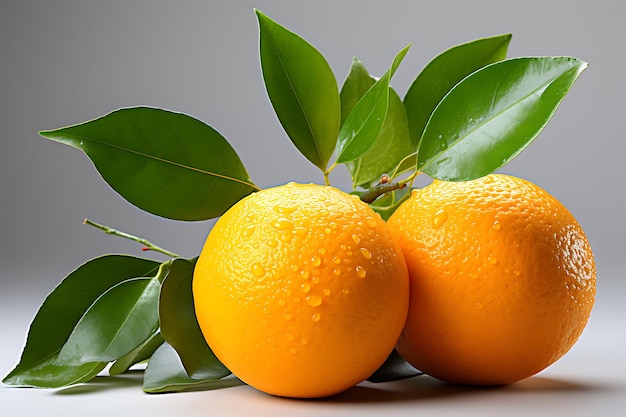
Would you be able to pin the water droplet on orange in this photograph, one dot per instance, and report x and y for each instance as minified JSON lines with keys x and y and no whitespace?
{"x":306,"y":287}
{"x":287,"y":316}
{"x":272,"y":243}
{"x":497,"y":225}
{"x":304,"y":274}
{"x":316,"y":317}
{"x":292,"y":350}
{"x":337,"y":271}
{"x":440,"y":218}
{"x":360,"y":272}
{"x":356,"y":239}
{"x":284,"y":210}
{"x":336,"y":260}
{"x":314,"y":300}
{"x":283,"y":224}
{"x":370,"y":222}
{"x":281,"y":302}
{"x":366,"y":253}
{"x":492,"y":260}
{"x":258,"y":270}
{"x":300,"y":231}
{"x":247,"y":232}
{"x":326,"y":292}
{"x":322,"y":251}
{"x":316,"y":261}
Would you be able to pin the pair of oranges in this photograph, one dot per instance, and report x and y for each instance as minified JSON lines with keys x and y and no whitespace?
{"x":303,"y":290}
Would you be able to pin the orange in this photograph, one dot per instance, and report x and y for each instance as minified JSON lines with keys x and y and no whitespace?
{"x":301,"y":290}
{"x":502,"y":279}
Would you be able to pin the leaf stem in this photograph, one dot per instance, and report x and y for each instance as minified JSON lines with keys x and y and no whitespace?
{"x":384,"y":186}
{"x":327,"y":172}
{"x":147,"y":244}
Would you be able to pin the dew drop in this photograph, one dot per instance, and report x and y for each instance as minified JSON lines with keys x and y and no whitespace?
{"x":366,"y":253}
{"x":258,"y":270}
{"x":326,"y":292}
{"x":337,"y":272}
{"x":293,"y":268}
{"x":497,"y":225}
{"x":281,"y":302}
{"x":306,"y":287}
{"x":492,"y":260}
{"x":370,"y":222}
{"x":440,"y":218}
{"x":283,"y":224}
{"x":360,"y":272}
{"x":285,"y":238}
{"x":336,"y":260}
{"x":332,"y":225}
{"x":356,"y":239}
{"x":290,"y":337}
{"x":284,"y":210}
{"x":292,"y":350}
{"x":323,"y":212}
{"x":316,"y":317}
{"x":247,"y":232}
{"x":516,"y":273}
{"x":304,"y":274}
{"x":322,"y":251}
{"x":287,"y":316}
{"x":314,"y":300}
{"x":304,"y":341}
{"x":272,"y":243}
{"x":327,"y":230}
{"x":315,"y":280}
{"x":300,"y":231}
{"x":316,"y":261}
{"x":346,"y":291}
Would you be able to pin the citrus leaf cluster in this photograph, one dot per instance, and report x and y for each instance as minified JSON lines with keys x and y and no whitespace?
{"x":468,"y":112}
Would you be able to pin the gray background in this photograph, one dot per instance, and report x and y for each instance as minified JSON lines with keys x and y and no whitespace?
{"x":68,"y":61}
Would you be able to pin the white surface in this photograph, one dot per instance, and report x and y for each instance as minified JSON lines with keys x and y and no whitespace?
{"x":68,"y":61}
{"x":589,"y":381}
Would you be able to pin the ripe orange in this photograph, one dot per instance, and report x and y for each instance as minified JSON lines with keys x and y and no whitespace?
{"x":502,"y":279}
{"x":301,"y":290}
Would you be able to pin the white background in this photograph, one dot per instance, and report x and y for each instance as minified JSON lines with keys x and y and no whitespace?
{"x":68,"y":61}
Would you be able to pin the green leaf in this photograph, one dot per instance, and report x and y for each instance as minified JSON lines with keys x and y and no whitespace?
{"x":387,"y":204}
{"x":394,"y":368}
{"x":59,"y":314}
{"x":493,"y":114}
{"x":166,"y":163}
{"x":365,"y":121}
{"x":393,"y":141}
{"x":165,"y":373}
{"x":302,"y":88}
{"x":354,"y":87}
{"x":118,"y":322}
{"x":140,"y":354}
{"x":446,"y":70}
{"x":179,"y":325}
